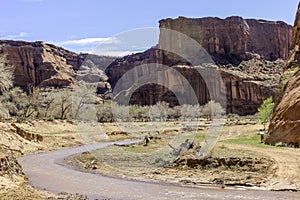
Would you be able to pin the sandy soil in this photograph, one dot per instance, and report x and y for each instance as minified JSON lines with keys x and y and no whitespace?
{"x":286,"y":174}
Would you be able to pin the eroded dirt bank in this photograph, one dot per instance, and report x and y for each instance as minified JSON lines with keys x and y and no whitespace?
{"x":18,"y":139}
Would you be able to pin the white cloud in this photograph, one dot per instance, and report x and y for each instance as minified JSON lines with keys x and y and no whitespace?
{"x":113,"y":53}
{"x":89,"y":41}
{"x":33,"y":0}
{"x":118,"y":45}
{"x":17,"y":36}
{"x":104,"y":46}
{"x":23,"y":34}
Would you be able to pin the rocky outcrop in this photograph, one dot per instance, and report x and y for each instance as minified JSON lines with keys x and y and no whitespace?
{"x":40,"y":64}
{"x":244,"y":49}
{"x":284,"y":128}
{"x":229,"y":40}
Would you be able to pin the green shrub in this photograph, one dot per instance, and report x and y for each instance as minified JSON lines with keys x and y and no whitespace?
{"x":265,"y":111}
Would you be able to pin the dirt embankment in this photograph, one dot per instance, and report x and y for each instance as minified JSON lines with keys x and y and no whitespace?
{"x":17,"y":139}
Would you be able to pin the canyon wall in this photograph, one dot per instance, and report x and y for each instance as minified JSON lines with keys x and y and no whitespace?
{"x":234,"y":44}
{"x":39,"y":64}
{"x":245,"y":51}
{"x":46,"y":65}
{"x":243,"y":92}
{"x":229,"y":40}
{"x":284,"y":128}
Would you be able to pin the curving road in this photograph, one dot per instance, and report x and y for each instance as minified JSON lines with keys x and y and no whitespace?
{"x":44,"y":172}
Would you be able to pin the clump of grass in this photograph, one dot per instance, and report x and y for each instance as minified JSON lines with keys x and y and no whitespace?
{"x":199,"y":137}
{"x":251,"y":140}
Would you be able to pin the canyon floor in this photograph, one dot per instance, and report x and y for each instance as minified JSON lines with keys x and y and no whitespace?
{"x":238,"y":159}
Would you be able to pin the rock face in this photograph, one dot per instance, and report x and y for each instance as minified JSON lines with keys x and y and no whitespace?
{"x":285,"y":125}
{"x":248,"y":54}
{"x":228,"y":40}
{"x":244,"y":92}
{"x":40,"y":64}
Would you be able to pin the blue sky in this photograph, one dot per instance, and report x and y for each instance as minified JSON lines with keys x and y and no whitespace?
{"x":71,"y":23}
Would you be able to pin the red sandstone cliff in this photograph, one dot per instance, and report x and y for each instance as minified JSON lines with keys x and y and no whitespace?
{"x":245,"y":91}
{"x":228,"y":40}
{"x":40,"y":64}
{"x":285,"y":125}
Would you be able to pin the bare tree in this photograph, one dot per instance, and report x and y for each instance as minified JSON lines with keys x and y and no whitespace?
{"x":191,"y":112}
{"x":120,"y":112}
{"x":4,"y":106}
{"x":213,"y":109}
{"x":46,"y":100}
{"x":82,"y":95}
{"x":158,"y":111}
{"x":25,"y":105}
{"x":62,"y":104}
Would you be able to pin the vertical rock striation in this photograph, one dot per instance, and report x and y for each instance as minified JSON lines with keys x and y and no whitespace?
{"x":230,"y":40}
{"x":285,"y":125}
{"x":39,"y":64}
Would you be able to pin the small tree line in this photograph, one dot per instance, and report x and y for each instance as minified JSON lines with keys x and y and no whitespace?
{"x":47,"y":103}
{"x":82,"y":104}
{"x":42,"y":103}
{"x":161,"y":111}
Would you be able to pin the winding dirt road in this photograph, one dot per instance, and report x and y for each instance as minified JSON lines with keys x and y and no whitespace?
{"x":45,"y":172}
{"x":287,"y":166}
